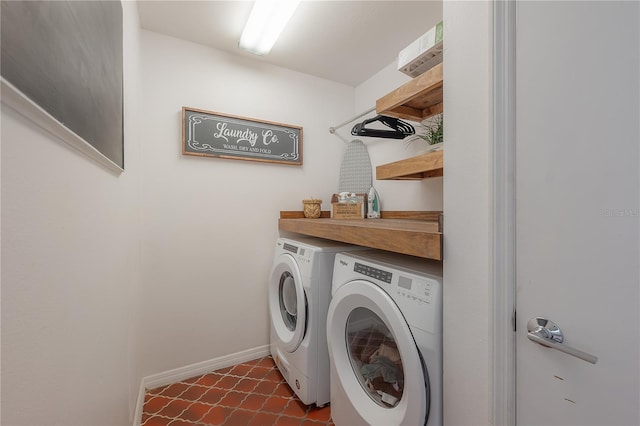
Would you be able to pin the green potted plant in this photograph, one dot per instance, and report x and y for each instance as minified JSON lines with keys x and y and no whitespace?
{"x":433,"y":133}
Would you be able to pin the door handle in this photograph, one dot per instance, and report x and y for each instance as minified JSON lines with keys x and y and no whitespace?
{"x":547,"y":333}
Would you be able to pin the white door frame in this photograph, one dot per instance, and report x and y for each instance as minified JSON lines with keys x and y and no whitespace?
{"x":503,"y":215}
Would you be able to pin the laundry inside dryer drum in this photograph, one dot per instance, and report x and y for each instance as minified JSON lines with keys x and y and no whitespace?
{"x":374,"y":357}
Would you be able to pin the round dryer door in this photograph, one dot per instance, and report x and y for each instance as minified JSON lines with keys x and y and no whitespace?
{"x":376,"y":358}
{"x":287,"y":302}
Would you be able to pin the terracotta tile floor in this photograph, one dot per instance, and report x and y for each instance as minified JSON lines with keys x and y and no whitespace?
{"x":253,"y":393}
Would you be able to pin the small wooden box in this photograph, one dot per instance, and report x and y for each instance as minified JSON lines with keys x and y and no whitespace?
{"x":349,"y":210}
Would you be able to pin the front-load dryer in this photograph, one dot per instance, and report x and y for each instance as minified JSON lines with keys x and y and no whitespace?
{"x":384,"y":331}
{"x":299,"y":295}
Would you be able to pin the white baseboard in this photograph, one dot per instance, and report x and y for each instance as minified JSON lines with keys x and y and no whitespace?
{"x":182,"y":373}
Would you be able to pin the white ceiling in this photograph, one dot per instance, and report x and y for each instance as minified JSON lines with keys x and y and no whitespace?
{"x":342,"y":41}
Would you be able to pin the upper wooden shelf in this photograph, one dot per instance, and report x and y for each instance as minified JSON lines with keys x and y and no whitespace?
{"x":420,"y":238}
{"x":417,"y":99}
{"x":415,"y":168}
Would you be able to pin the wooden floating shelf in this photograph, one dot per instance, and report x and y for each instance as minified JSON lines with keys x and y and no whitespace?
{"x":417,"y":99}
{"x":422,"y":238}
{"x":420,"y":167}
{"x":413,"y":233}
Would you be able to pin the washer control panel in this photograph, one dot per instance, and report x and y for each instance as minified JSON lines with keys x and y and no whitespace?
{"x":376,"y":273}
{"x":410,"y":289}
{"x":414,"y":285}
{"x":414,"y":289}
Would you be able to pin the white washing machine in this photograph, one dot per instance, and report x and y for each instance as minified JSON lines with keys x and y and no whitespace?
{"x":384,"y":331}
{"x":299,"y":295}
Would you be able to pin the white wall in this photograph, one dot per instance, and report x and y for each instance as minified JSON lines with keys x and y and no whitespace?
{"x":467,"y":78}
{"x":210,"y":224}
{"x":70,"y":258}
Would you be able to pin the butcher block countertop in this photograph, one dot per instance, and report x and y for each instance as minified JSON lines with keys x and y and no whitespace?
{"x":413,"y":233}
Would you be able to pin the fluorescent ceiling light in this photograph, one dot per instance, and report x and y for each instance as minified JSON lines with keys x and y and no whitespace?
{"x":267,"y":20}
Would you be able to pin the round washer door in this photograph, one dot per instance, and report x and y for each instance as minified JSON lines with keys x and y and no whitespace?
{"x":287,"y":302}
{"x":375,"y":356}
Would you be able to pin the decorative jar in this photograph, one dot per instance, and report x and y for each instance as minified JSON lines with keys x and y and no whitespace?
{"x":312,"y":208}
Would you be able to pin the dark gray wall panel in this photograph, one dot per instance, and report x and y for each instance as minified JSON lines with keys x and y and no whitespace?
{"x":66,"y":56}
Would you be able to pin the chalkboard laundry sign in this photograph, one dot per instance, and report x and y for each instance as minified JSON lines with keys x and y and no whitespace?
{"x":212,"y":134}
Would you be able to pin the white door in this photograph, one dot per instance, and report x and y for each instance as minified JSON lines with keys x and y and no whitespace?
{"x":577,"y":211}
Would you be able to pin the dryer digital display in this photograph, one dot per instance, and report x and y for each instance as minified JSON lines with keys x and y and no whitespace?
{"x":404,"y":282}
{"x":290,"y":247}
